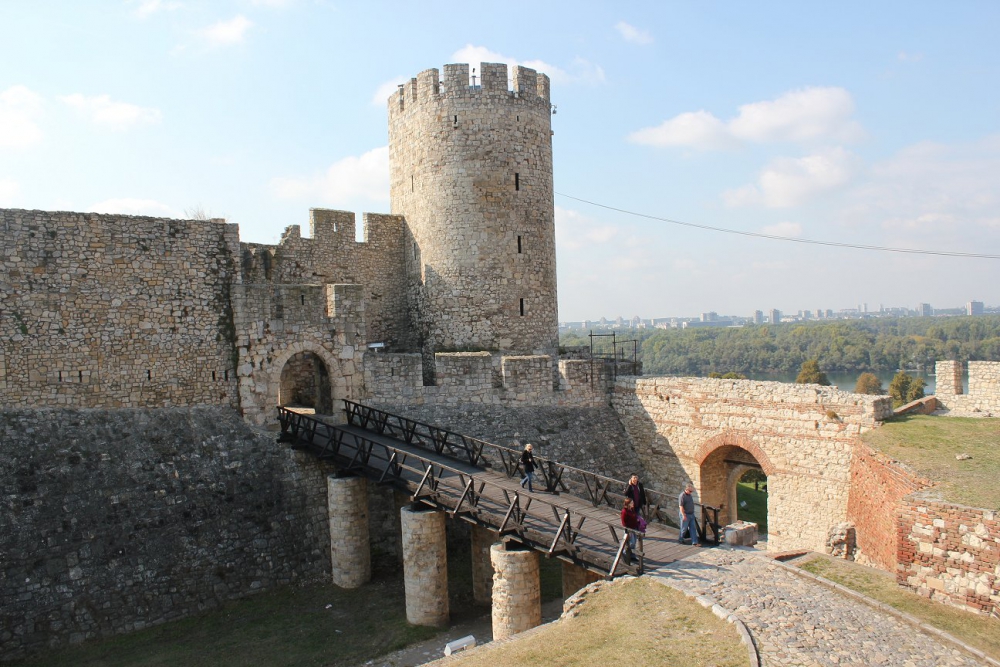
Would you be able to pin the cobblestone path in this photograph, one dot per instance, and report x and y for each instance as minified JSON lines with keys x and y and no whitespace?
{"x":799,"y":622}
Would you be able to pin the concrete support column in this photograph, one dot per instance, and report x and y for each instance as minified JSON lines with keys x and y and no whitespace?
{"x":347,"y":510}
{"x":425,"y":566}
{"x":575,"y":577}
{"x":517,"y":598}
{"x":482,"y":568}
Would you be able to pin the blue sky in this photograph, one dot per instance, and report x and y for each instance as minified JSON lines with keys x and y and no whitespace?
{"x":868,"y":123}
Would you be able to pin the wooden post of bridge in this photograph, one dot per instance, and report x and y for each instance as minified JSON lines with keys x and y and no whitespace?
{"x":347,"y":511}
{"x":482,"y":568}
{"x":517,"y":599}
{"x":575,"y":577}
{"x":425,"y":566}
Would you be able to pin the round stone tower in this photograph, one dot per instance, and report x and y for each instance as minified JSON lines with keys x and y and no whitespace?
{"x":471,"y":171}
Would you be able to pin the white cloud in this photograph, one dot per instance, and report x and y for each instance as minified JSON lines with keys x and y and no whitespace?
{"x":8,"y":192}
{"x":147,"y":8}
{"x":788,"y":229}
{"x":102,"y":110}
{"x":808,"y":115}
{"x":788,"y":182}
{"x":800,"y":115}
{"x":575,"y":231}
{"x":933,"y":188}
{"x":276,"y":4}
{"x":386,"y":89}
{"x":906,"y":57}
{"x":581,"y":70}
{"x":130,"y":206}
{"x":19,"y":109}
{"x":694,"y":128}
{"x":227,"y":33}
{"x":354,"y":177}
{"x":632,"y":34}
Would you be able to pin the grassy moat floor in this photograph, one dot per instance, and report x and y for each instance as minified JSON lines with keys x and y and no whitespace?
{"x":319,"y":624}
{"x":929,"y":445}
{"x":981,"y":632}
{"x":632,"y":622}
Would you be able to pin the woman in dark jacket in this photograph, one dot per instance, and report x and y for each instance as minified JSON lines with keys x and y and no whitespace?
{"x":637,"y":493}
{"x":528,"y":465}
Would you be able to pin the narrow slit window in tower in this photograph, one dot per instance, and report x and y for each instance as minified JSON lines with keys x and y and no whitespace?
{"x":522,"y":307}
{"x":414,"y":250}
{"x":412,"y":186}
{"x":213,"y":380}
{"x":80,"y":374}
{"x":517,"y":181}
{"x":149,"y":374}
{"x":60,"y":379}
{"x":519,"y":244}
{"x":455,"y":120}
{"x":302,"y":299}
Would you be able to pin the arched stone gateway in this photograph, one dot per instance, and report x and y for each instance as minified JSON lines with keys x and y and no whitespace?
{"x":306,"y":374}
{"x":711,"y":431}
{"x":723,"y":460}
{"x":305,"y":382}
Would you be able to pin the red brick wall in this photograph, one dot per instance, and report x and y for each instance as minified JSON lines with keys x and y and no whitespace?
{"x":950,"y":553}
{"x":878,"y":485}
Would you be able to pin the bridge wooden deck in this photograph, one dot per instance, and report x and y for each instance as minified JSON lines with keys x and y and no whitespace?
{"x":573,"y":514}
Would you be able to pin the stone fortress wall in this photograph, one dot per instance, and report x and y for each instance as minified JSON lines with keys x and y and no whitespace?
{"x":115,"y":311}
{"x":471,"y":171}
{"x":712,"y":430}
{"x":115,"y":520}
{"x":983,"y":399}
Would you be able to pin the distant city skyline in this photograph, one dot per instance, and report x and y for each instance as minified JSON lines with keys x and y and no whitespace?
{"x":758,"y":316}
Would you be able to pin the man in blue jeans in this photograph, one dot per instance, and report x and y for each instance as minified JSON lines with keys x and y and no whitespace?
{"x":685,"y":502}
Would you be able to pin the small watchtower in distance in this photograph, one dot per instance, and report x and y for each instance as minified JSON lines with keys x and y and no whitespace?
{"x":470,"y":166}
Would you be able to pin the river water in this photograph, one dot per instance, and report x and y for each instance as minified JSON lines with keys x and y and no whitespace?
{"x":846,"y":381}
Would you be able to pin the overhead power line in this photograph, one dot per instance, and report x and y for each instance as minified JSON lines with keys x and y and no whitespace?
{"x":793,"y":239}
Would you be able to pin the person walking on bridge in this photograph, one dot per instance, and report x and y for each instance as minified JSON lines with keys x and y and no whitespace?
{"x":630,"y":520}
{"x":685,"y":503}
{"x":528,"y":465}
{"x":637,"y":493}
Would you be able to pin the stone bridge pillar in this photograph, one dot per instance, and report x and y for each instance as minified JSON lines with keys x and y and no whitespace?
{"x":482,"y":568}
{"x":517,"y":599}
{"x":347,"y":510}
{"x":425,"y":566}
{"x":575,"y":577}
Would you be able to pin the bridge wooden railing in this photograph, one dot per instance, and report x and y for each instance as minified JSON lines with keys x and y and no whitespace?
{"x":556,"y":477}
{"x":543,"y":524}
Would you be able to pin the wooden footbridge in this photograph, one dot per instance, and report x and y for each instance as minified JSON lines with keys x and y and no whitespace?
{"x":573,"y":515}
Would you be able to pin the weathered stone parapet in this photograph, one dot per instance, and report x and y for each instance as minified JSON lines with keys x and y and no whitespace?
{"x":575,"y":577}
{"x":482,"y":568}
{"x":516,"y":590}
{"x":983,"y":398}
{"x":425,"y":566}
{"x":350,"y":553}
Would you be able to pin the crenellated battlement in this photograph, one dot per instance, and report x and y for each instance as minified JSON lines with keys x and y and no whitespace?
{"x":491,"y":82}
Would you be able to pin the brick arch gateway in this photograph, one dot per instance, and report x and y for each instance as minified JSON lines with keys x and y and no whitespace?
{"x":723,"y":459}
{"x":710,"y":431}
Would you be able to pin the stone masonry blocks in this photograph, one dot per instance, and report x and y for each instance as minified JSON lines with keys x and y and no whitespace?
{"x":350,"y":552}
{"x":482,"y":567}
{"x":516,"y":590}
{"x":471,"y":172}
{"x":983,"y":398}
{"x":575,"y":577}
{"x":425,"y":566}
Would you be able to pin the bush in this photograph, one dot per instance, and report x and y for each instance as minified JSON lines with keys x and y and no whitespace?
{"x":731,"y":375}
{"x":905,"y":388}
{"x":811,"y":374}
{"x":868,"y":384}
